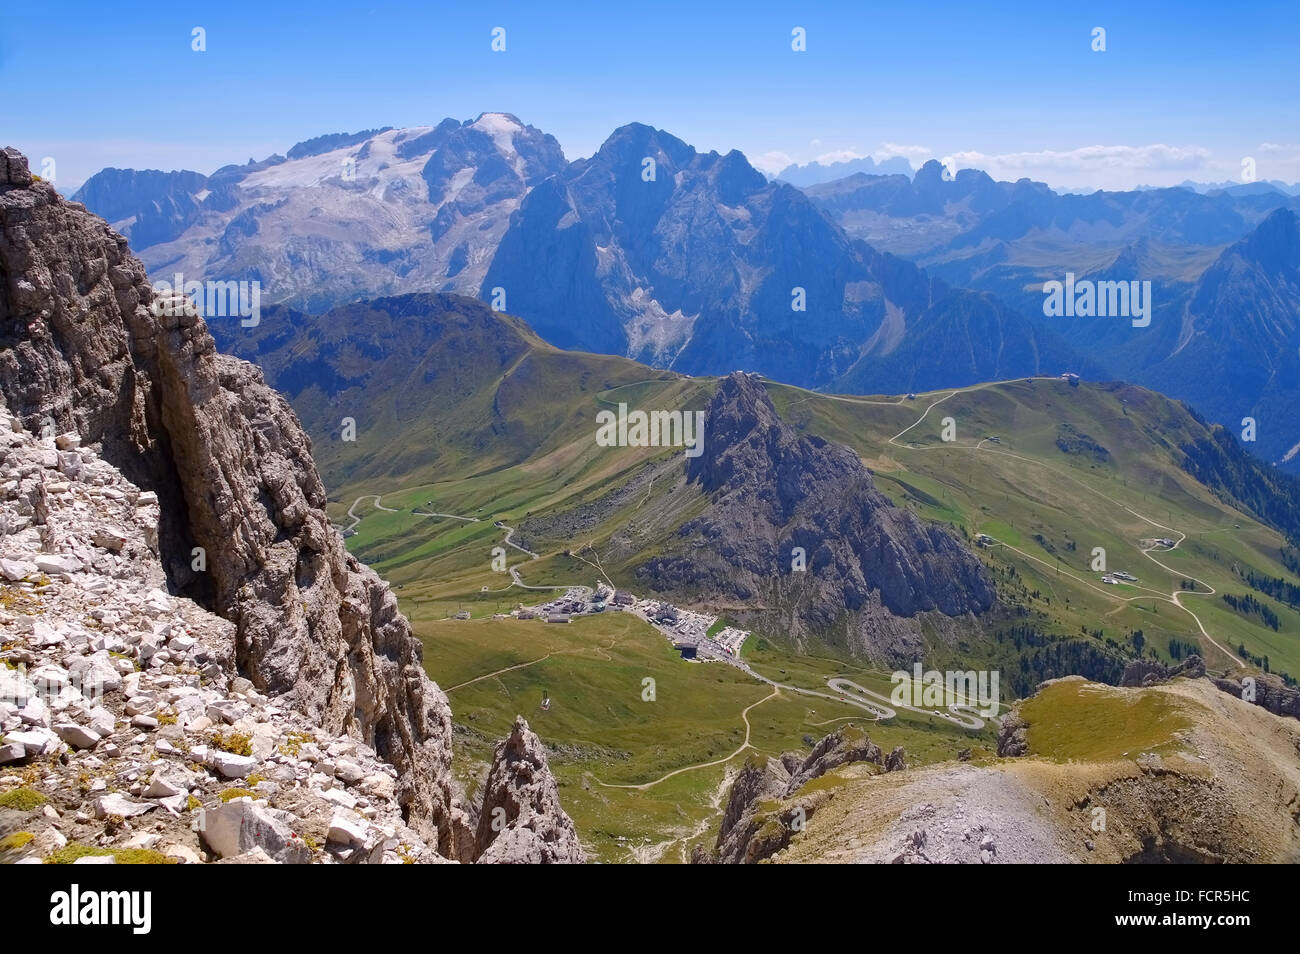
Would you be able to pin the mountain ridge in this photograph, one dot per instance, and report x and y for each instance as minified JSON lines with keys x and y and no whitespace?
{"x":242,"y":527}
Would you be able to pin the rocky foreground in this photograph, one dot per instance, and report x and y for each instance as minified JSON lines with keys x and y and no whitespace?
{"x":1199,"y":776}
{"x":193,"y":663}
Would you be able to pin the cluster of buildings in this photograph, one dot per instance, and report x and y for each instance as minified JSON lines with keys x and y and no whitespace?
{"x":578,"y":601}
{"x":1119,"y":576}
{"x":687,"y":629}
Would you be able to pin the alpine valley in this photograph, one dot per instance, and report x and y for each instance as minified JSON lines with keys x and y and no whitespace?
{"x":690,"y":261}
{"x":644,"y":508}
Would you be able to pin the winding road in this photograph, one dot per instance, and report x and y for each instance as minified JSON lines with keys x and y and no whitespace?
{"x":1172,"y":597}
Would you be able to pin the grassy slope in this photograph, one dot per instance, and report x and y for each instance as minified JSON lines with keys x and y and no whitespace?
{"x":1056,"y":507}
{"x":601,"y":729}
{"x":1024,"y":492}
{"x":1052,"y":507}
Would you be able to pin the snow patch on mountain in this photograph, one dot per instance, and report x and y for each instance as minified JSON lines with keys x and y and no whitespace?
{"x":403,"y":210}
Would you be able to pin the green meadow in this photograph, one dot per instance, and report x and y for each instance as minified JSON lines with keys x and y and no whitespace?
{"x":1074,"y":469}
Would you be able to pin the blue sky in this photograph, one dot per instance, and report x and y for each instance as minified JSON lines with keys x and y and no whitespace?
{"x":1183,"y":90}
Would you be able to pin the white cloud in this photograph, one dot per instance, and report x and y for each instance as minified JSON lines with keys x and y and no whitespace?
{"x":1103,"y":167}
{"x":839,"y":155}
{"x":771,"y":162}
{"x":890,"y":149}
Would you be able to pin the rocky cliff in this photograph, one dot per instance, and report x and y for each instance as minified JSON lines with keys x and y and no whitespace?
{"x":871,"y":569}
{"x":241,"y":527}
{"x":520,"y":819}
{"x":768,"y":804}
{"x":1217,"y":780}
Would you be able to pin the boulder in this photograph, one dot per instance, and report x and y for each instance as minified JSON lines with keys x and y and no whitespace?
{"x":240,"y":825}
{"x":57,"y":564}
{"x":231,"y":765}
{"x":95,"y":675}
{"x":348,"y":829}
{"x":120,"y":805}
{"x":110,"y":538}
{"x":15,"y":570}
{"x":1012,"y":742}
{"x":36,"y":741}
{"x":165,"y":786}
{"x":77,"y":736}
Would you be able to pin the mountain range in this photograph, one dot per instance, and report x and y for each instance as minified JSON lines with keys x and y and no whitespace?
{"x":340,"y":216}
{"x":812,"y":173}
{"x":696,"y":262}
{"x":973,"y":551}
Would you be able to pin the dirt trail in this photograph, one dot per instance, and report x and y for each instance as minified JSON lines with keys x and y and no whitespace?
{"x":744,"y":715}
{"x":1172,"y":597}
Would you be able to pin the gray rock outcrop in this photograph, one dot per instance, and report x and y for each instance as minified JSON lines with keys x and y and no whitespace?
{"x":1269,"y":693}
{"x":844,"y":745}
{"x":871,"y":568}
{"x":242,"y":527}
{"x":124,"y":725}
{"x":1149,"y":672}
{"x":520,"y":819}
{"x":766,"y":808}
{"x":754,"y":783}
{"x":1012,"y":742}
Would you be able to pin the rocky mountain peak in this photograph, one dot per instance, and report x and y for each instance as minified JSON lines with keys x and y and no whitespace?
{"x":241,"y":525}
{"x":520,"y":821}
{"x":1274,"y":243}
{"x":929,"y":177}
{"x":796,"y":523}
{"x":749,"y":450}
{"x":740,"y":413}
{"x":735,"y":179}
{"x":634,"y":141}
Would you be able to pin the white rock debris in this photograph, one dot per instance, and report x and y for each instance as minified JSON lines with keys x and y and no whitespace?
{"x":120,"y":708}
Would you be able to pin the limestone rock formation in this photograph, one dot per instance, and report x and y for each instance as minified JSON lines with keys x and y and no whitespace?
{"x":1147,"y":672}
{"x":86,"y":348}
{"x":754,"y":783}
{"x":871,"y":568}
{"x":896,"y":760}
{"x":520,"y":819}
{"x":1269,"y":693}
{"x":751,"y":830}
{"x":124,"y":726}
{"x":1011,"y":735}
{"x":844,"y":745}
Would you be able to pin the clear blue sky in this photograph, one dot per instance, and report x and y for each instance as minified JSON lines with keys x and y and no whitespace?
{"x":1184,"y":90}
